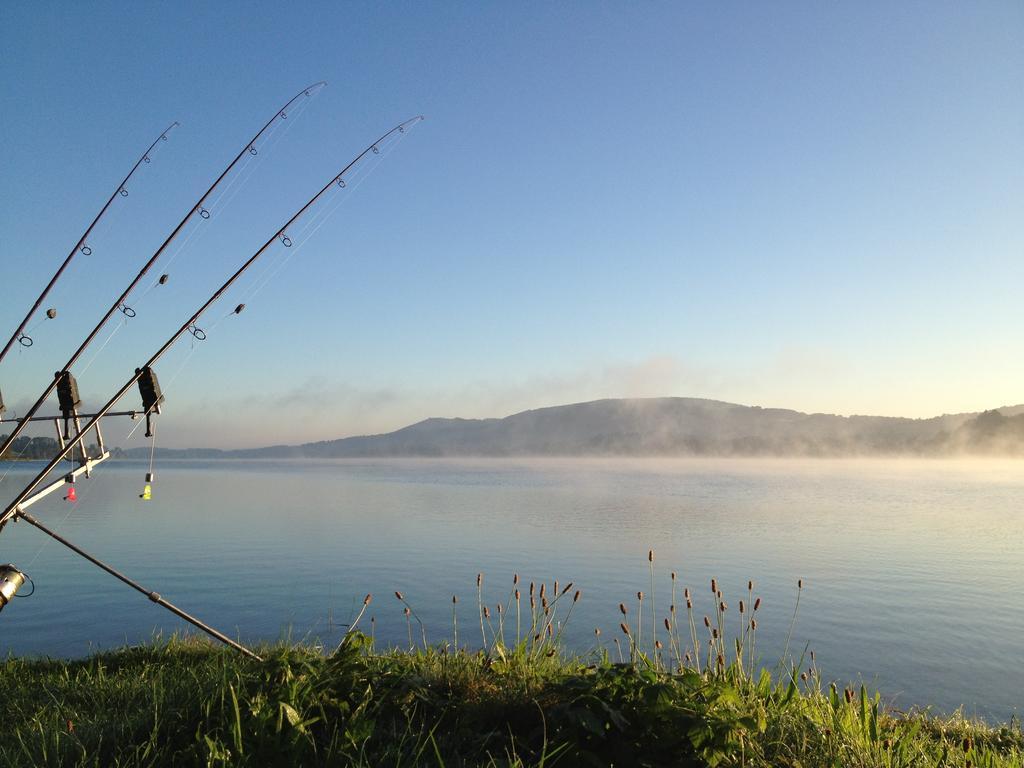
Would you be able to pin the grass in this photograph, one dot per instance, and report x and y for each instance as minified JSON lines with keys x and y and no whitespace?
{"x":674,"y":692}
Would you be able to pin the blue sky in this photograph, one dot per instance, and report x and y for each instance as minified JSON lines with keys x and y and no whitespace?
{"x":805,"y":205}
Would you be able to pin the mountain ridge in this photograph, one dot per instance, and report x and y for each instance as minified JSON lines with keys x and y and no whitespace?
{"x":669,"y":426}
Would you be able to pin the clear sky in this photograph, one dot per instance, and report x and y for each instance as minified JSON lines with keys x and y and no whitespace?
{"x":808,"y":205}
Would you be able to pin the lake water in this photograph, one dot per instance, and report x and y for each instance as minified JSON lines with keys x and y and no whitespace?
{"x":913,"y":570}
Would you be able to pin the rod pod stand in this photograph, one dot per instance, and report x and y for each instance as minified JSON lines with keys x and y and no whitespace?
{"x":153,"y":596}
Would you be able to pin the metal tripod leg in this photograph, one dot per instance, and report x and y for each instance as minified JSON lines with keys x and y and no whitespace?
{"x":154,"y":596}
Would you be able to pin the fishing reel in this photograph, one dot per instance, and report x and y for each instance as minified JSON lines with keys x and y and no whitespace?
{"x":11,"y":580}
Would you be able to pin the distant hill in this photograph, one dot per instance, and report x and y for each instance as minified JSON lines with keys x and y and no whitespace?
{"x":670,"y":426}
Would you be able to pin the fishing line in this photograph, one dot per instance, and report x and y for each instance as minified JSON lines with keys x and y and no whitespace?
{"x":119,"y":303}
{"x":317,"y":221}
{"x":360,"y":174}
{"x":196,"y":344}
{"x":137,"y":186}
{"x":82,"y":246}
{"x":148,"y":387}
{"x":272,"y":140}
{"x":17,"y":455}
{"x":73,"y":506}
{"x":26,"y":338}
{"x":152,"y":450}
{"x":96,"y":354}
{"x":249,"y":166}
{"x":251,"y":159}
{"x":189,"y":325}
{"x":272,"y":268}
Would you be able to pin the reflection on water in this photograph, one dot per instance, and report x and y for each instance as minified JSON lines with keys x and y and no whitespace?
{"x":912,"y":570}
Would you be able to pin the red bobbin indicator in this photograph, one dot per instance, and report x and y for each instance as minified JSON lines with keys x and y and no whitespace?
{"x":72,"y":495}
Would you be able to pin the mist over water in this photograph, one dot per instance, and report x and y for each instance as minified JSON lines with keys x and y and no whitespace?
{"x":911,"y":569}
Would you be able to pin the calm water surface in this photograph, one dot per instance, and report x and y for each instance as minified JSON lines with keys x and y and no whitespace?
{"x":912,"y":570}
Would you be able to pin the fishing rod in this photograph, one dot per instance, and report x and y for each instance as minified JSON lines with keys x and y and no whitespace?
{"x":15,"y":510}
{"x":81,"y":246}
{"x":62,"y":376}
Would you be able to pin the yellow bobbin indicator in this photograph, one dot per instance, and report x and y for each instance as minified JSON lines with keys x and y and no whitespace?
{"x":147,"y":493}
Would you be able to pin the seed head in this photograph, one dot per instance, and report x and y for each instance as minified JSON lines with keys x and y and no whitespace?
{"x":800,"y":584}
{"x":542,"y":589}
{"x":622,"y":609}
{"x":536,"y":638}
{"x":406,"y":610}
{"x":499,"y":609}
{"x":753,"y":623}
{"x":597,"y":631}
{"x":517,"y":595}
{"x":640,"y":596}
{"x":487,"y":612}
{"x":576,"y":597}
{"x":673,"y":575}
{"x":722,"y":606}
{"x":544,"y":602}
{"x":668,"y":625}
{"x":714,"y":586}
{"x":714,"y":633}
{"x":689,"y":603}
{"x":367,"y":599}
{"x":566,"y":588}
{"x":750,"y":586}
{"x":555,"y":590}
{"x":803,"y":676}
{"x":515,"y":579}
{"x":686,"y":592}
{"x":479,"y":579}
{"x":721,"y":660}
{"x":707,"y":622}
{"x":848,"y":695}
{"x":757,"y":603}
{"x":741,"y":606}
{"x":625,"y":629}
{"x":531,"y":587}
{"x":454,"y":599}
{"x":672,"y":609}
{"x":650,"y":555}
{"x":658,"y":645}
{"x":399,"y":595}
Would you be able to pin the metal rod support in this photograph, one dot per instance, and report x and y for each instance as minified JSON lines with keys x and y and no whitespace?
{"x":132,"y":414}
{"x":153,"y":596}
{"x":84,"y":468}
